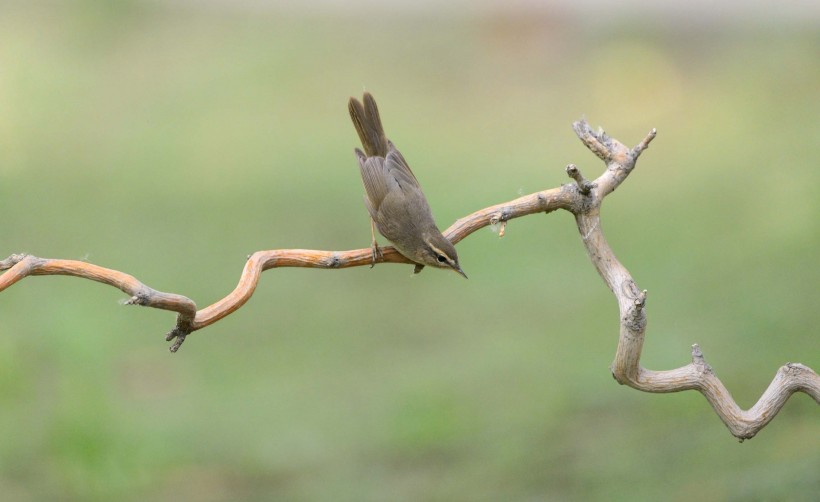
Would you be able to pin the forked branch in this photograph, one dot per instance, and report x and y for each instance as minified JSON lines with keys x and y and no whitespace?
{"x":583,"y":199}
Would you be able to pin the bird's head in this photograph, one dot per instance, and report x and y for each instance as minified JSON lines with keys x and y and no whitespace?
{"x":439,"y":252}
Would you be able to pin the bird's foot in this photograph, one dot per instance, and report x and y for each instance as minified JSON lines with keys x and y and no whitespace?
{"x":376,"y":254}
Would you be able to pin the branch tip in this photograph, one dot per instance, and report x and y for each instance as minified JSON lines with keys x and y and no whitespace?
{"x":643,"y":145}
{"x":177,"y":344}
{"x":597,"y":142}
{"x":178,"y":336}
{"x":12,"y":261}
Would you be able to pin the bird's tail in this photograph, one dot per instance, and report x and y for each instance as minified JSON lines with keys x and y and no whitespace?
{"x":365,"y":116}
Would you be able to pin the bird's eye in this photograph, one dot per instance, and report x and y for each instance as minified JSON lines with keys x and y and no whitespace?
{"x":441,"y":258}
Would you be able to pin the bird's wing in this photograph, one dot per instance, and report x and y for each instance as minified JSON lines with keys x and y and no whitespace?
{"x":375,"y":183}
{"x":397,"y":170}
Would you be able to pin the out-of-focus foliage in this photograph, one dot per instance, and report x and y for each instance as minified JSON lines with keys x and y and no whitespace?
{"x":170,"y":142}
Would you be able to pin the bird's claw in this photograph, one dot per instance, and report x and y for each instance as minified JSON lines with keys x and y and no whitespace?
{"x":376,"y":254}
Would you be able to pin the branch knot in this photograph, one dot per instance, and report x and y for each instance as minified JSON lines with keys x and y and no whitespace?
{"x":141,"y":297}
{"x":699,"y":361}
{"x":584,"y":185}
{"x":635,"y":318}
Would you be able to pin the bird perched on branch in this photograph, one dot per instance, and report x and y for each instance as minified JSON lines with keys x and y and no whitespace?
{"x":393,"y":196}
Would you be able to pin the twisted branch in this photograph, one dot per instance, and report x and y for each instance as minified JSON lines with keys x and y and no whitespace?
{"x":583,"y":199}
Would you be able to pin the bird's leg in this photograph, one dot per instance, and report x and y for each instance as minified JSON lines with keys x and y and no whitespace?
{"x":374,"y":246}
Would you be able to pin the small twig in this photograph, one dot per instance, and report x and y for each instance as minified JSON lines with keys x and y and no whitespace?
{"x":584,"y":185}
{"x":500,"y":219}
{"x":502,"y":228}
{"x":597,"y":142}
{"x":644,"y":144}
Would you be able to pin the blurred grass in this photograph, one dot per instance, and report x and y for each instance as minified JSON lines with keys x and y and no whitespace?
{"x":170,"y":142}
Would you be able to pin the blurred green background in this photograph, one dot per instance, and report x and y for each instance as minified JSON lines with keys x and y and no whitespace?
{"x":170,"y":140}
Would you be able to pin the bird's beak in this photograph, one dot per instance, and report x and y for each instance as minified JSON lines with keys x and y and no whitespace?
{"x":458,"y":269}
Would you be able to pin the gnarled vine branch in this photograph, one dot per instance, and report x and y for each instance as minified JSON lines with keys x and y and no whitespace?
{"x":583,"y":199}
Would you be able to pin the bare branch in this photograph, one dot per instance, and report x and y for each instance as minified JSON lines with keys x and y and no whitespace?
{"x":189,"y":319}
{"x":583,"y":199}
{"x":18,"y":266}
{"x":626,"y":367}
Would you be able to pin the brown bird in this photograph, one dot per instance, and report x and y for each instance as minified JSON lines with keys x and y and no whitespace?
{"x":397,"y":206}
